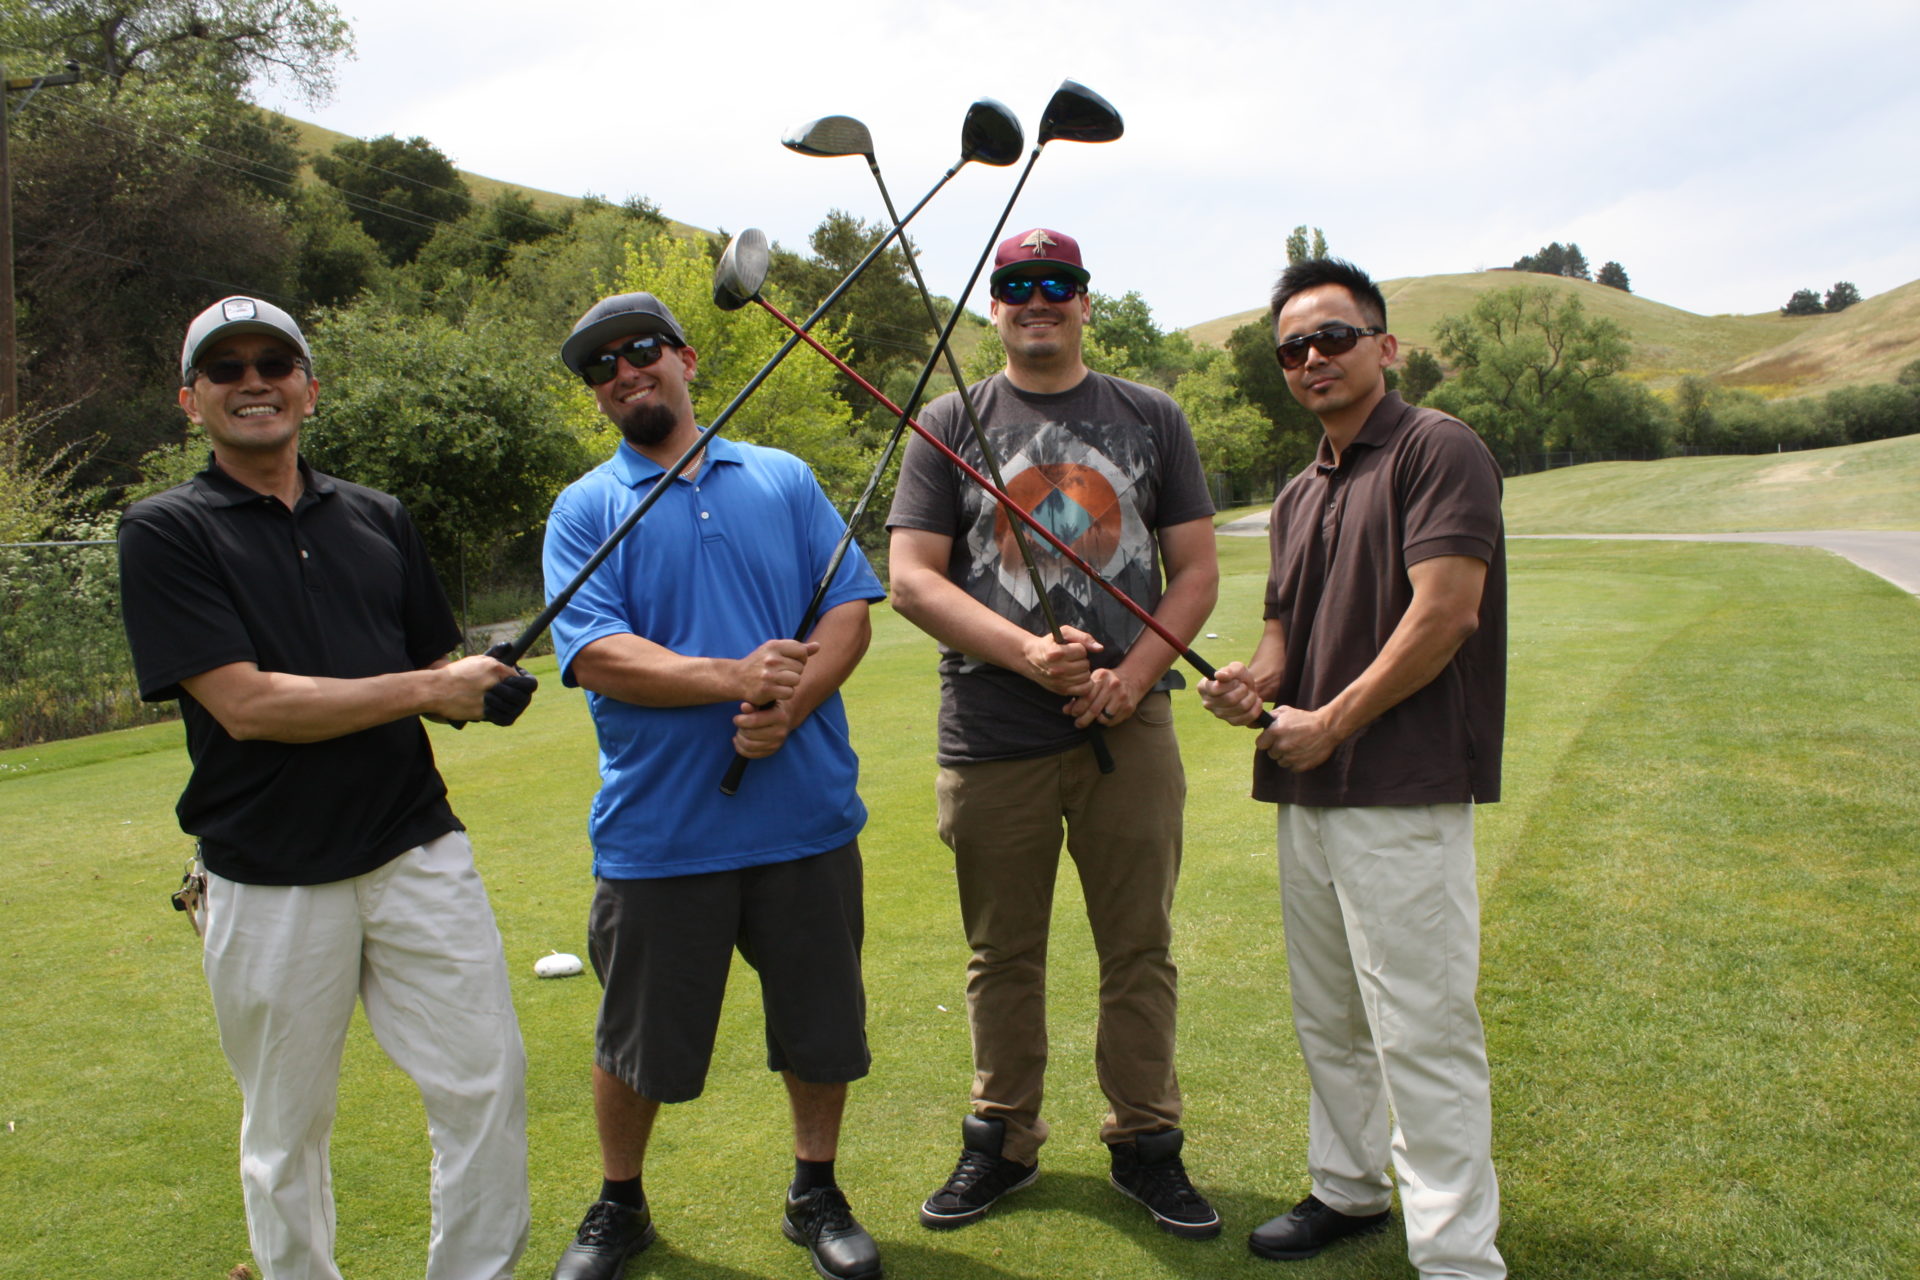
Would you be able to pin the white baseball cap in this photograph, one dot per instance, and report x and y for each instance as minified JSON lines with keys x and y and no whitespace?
{"x":237,"y":315}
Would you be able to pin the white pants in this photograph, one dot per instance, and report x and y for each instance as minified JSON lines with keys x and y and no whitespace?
{"x":1383,"y":952}
{"x":416,"y":941}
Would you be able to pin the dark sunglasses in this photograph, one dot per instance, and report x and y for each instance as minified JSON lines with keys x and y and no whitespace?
{"x":1016,"y":291}
{"x":600,"y":367}
{"x":1334,"y":340}
{"x":273,"y":366}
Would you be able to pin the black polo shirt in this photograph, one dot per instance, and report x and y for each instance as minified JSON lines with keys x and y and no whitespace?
{"x":213,"y":572}
{"x":1414,"y":484}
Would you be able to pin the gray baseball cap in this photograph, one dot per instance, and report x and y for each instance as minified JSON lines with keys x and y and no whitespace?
{"x":616,"y":317}
{"x":237,"y":314}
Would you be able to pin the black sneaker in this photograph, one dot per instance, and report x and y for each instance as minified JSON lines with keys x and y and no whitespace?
{"x":1309,"y":1227}
{"x":1149,"y":1169}
{"x":841,"y":1248}
{"x":610,"y":1236}
{"x":980,"y":1178}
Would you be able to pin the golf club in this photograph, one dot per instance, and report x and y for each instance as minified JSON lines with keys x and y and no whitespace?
{"x":986,"y":132}
{"x":990,"y":134}
{"x":1198,"y":663}
{"x":842,"y":136}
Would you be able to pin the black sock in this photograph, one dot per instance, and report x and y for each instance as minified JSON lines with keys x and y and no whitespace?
{"x":809,"y":1175}
{"x":626,"y":1192}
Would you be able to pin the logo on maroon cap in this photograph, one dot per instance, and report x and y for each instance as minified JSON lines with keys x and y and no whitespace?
{"x":1039,"y":241}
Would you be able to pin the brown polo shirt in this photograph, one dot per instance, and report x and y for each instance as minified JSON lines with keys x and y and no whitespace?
{"x":1414,"y":484}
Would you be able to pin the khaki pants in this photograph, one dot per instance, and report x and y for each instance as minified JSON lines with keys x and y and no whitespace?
{"x":1383,"y":954}
{"x":1003,"y":820}
{"x":415,"y":941}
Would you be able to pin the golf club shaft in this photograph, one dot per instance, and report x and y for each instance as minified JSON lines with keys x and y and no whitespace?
{"x":1096,"y":736}
{"x":1194,"y":660}
{"x":730,"y":783}
{"x":512,"y":653}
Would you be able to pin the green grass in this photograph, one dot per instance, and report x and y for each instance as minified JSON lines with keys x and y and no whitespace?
{"x":1858,"y":486}
{"x":1699,"y":980}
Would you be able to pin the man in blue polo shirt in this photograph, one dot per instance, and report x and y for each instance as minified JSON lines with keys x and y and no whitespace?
{"x":679,"y":639}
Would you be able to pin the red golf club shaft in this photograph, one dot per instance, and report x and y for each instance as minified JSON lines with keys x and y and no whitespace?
{"x":1198,"y":663}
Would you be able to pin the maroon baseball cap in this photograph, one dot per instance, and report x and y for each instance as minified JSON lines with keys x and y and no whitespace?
{"x":1039,"y":247}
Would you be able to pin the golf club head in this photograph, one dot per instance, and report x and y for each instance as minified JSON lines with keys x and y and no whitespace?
{"x":741,"y":271}
{"x":830,"y":136}
{"x":1078,"y":114}
{"x":991,"y":134}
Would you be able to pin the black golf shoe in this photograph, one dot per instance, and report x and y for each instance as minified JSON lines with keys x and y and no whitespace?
{"x":1150,"y":1170}
{"x":610,"y":1236}
{"x":980,"y":1178}
{"x":1309,"y":1227}
{"x":841,"y":1248}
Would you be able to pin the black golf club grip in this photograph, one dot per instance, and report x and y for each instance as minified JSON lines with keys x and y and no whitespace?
{"x":1097,"y":739}
{"x":501,"y":651}
{"x":735,"y":771}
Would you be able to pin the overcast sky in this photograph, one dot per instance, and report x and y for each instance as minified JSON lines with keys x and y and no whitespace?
{"x":1725,"y":153}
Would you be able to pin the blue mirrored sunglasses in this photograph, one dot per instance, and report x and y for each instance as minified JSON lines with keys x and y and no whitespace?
{"x":1016,"y":291}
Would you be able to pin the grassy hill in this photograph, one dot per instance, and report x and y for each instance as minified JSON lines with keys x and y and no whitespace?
{"x":1857,"y":486}
{"x":1770,"y":353}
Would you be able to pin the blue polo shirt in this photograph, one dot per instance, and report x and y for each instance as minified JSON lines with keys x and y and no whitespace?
{"x":719,"y":565}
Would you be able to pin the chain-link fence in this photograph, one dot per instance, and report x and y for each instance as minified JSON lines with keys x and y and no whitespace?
{"x":64,"y":665}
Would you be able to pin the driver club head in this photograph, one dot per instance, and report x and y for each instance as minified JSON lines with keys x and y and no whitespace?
{"x":830,"y":136}
{"x":1078,"y":114}
{"x":741,"y":271}
{"x":991,"y":134}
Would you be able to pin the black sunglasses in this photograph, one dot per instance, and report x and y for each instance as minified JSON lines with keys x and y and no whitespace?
{"x":601,"y":366}
{"x":272,"y":366}
{"x":1334,"y":340}
{"x":1016,"y":291}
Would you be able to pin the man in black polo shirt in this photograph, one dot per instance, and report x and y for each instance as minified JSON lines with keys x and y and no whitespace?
{"x":1384,"y":655}
{"x":297,"y":620}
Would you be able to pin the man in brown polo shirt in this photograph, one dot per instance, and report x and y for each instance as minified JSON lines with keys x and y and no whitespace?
{"x":1384,"y":657}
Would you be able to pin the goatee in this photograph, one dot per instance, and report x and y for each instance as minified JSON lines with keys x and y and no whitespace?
{"x":647,"y":423}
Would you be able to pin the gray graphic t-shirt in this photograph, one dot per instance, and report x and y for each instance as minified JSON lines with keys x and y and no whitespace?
{"x":1104,"y":466}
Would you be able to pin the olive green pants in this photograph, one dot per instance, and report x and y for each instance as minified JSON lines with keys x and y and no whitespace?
{"x":1004,"y":821}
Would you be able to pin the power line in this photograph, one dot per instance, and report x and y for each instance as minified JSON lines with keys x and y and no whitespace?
{"x":261,"y":172}
{"x":247,"y":289}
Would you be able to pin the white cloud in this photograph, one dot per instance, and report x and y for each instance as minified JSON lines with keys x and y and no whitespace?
{"x":1725,"y":153}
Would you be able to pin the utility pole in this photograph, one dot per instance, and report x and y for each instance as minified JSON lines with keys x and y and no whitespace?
{"x":9,"y":376}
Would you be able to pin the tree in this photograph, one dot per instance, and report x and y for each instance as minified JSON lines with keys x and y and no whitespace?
{"x":1420,"y":373}
{"x":1548,"y":262}
{"x":466,"y":425}
{"x":1804,"y":302}
{"x":35,"y":483}
{"x":1693,"y":410}
{"x":1842,"y":296}
{"x":336,"y":260}
{"x":1556,"y":259}
{"x":1293,"y":432}
{"x":795,"y":409}
{"x":1527,"y":362}
{"x":882,"y":315}
{"x":399,"y":192}
{"x":1614,"y":276}
{"x":1300,"y":250}
{"x":1233,"y":437}
{"x":210,"y":44}
{"x":131,"y":214}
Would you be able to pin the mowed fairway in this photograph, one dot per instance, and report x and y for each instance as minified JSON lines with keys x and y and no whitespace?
{"x":1701,"y":979}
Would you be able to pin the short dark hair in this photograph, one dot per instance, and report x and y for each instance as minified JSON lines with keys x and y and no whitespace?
{"x":1314,"y":272}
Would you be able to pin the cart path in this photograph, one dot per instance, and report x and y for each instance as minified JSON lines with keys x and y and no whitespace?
{"x":1890,"y":554}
